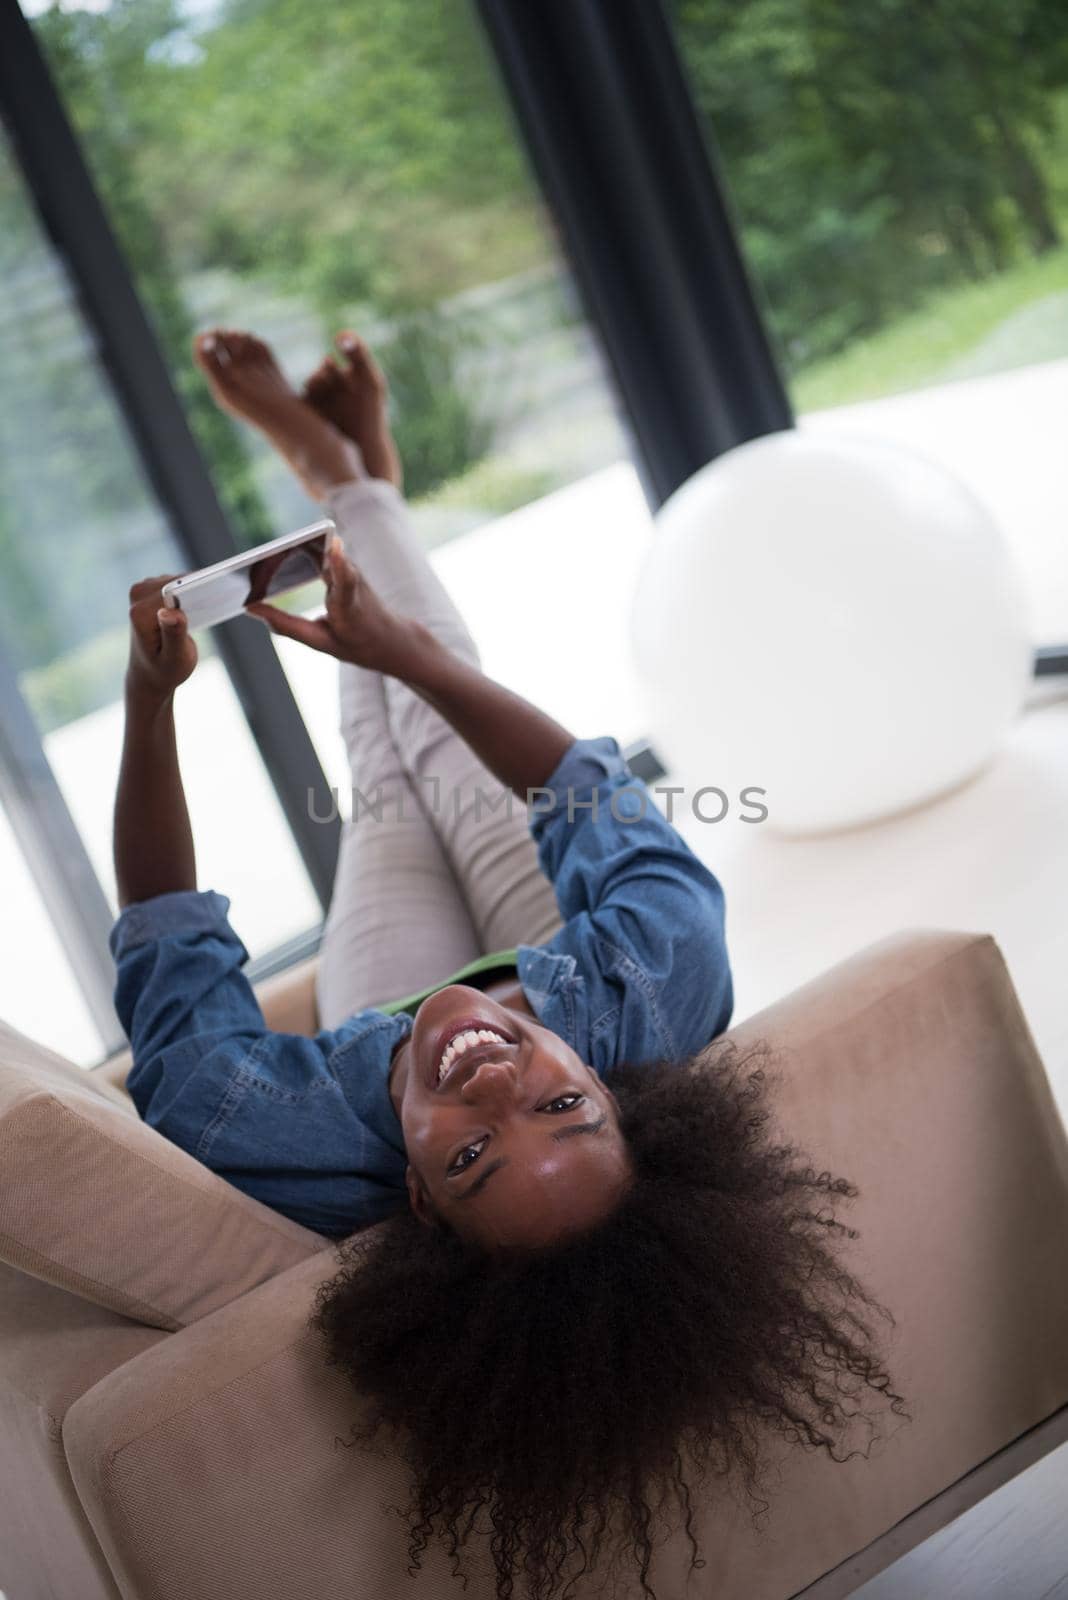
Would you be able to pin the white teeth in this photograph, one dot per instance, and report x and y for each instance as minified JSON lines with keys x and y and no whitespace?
{"x":463,"y":1041}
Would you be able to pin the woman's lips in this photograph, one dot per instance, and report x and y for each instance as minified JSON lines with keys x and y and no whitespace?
{"x":451,"y":1030}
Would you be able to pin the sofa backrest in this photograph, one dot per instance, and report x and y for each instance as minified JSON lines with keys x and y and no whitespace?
{"x":95,"y":1202}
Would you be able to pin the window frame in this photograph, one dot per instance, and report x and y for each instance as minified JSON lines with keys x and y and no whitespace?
{"x":629,"y":174}
{"x":693,"y":377}
{"x":60,"y":187}
{"x":628,"y":171}
{"x":74,"y":218}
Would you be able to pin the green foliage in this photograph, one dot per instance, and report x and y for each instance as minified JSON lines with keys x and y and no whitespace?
{"x":65,"y":463}
{"x":900,"y":175}
{"x":104,"y":66}
{"x":493,"y":487}
{"x":440,"y":428}
{"x":956,"y":332}
{"x":877,"y":152}
{"x":76,"y":681}
{"x":343,"y":153}
{"x":81,"y":680}
{"x":360,"y":155}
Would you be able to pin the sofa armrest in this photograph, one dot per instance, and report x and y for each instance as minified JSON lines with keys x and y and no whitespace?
{"x":841,"y":996}
{"x":911,"y":1069}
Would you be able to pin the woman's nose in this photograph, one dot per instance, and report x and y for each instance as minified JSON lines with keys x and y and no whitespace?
{"x":490,"y":1080}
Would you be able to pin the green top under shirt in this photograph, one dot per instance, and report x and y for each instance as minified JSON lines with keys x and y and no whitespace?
{"x":500,"y":962}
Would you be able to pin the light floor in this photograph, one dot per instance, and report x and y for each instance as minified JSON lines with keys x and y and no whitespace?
{"x":1012,"y":1546}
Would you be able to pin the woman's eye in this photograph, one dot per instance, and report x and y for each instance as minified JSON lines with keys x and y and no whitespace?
{"x":564,"y":1102}
{"x":471,"y":1152}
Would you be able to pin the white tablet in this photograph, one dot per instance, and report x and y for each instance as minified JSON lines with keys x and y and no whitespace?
{"x":214,"y":594}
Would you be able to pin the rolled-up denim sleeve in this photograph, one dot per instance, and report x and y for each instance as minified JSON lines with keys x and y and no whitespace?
{"x":645,"y":918}
{"x":178,"y":972}
{"x":302,"y":1124}
{"x":185,"y":1005}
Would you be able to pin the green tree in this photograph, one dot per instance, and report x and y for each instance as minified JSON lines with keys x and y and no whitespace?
{"x":355,"y":157}
{"x":347,"y":153}
{"x":104,"y":67}
{"x":876,"y":152}
{"x":57,"y":446}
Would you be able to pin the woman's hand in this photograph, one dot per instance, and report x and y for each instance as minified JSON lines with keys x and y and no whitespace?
{"x":162,"y":655}
{"x":518,"y":743}
{"x":357,"y":627}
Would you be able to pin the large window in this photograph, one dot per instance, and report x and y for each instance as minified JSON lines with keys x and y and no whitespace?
{"x":295,"y":168}
{"x":78,"y":524}
{"x":299,"y":166}
{"x":900,"y":182}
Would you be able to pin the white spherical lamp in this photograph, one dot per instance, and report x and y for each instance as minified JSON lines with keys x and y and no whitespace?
{"x":835,"y":620}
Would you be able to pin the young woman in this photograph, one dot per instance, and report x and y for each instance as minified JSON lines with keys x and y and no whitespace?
{"x":598,"y":1278}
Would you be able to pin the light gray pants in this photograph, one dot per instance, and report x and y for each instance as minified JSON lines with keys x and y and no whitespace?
{"x":436,"y":866}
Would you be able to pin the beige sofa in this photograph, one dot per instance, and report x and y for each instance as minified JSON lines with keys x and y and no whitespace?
{"x":168,"y":1428}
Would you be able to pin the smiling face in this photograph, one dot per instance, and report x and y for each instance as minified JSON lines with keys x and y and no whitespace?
{"x":512,"y":1140}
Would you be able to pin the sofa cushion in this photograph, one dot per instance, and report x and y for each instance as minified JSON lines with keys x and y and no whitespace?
{"x":54,"y":1347}
{"x":97,"y":1203}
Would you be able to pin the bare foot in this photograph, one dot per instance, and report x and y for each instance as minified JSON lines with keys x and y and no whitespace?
{"x":351,"y":393}
{"x":247,"y":381}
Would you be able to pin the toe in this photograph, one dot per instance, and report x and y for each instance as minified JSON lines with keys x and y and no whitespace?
{"x":243,"y":347}
{"x":362,"y":369}
{"x":206,"y":348}
{"x":323,"y":381}
{"x":354,"y":350}
{"x":256,"y":349}
{"x":226,"y":346}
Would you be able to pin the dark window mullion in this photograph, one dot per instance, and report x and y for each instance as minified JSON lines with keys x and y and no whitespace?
{"x":606,"y":114}
{"x":71,"y":211}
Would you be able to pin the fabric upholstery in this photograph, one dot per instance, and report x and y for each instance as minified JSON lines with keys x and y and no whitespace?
{"x":288,"y":999}
{"x":208,"y":1465}
{"x":53,"y":1347}
{"x":93,"y":1201}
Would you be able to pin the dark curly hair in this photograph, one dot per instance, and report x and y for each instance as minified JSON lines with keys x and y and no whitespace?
{"x":558,"y":1392}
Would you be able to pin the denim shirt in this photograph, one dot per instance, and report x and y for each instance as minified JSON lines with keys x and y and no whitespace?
{"x":638,"y":972}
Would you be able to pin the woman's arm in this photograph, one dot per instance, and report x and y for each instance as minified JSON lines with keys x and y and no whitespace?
{"x":643,"y":916}
{"x":519,"y":744}
{"x":153,"y":842}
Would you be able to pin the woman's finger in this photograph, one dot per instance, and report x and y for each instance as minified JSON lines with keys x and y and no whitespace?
{"x":341,"y":574}
{"x":312,"y":631}
{"x":173,"y":630}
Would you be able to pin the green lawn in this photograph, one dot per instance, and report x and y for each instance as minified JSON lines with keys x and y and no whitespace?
{"x":1018,"y":317}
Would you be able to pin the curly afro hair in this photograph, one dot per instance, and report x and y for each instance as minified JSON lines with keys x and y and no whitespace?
{"x":575,"y":1395}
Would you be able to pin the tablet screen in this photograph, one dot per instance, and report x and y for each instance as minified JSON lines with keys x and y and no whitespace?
{"x":217,"y":596}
